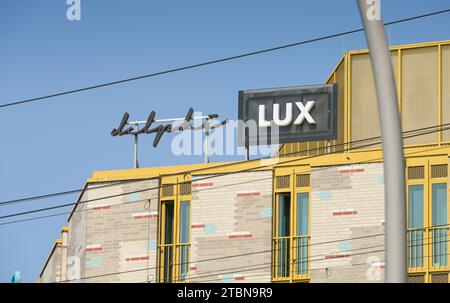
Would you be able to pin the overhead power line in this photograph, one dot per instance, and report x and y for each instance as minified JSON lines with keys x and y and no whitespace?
{"x":238,"y":256}
{"x":235,"y":57}
{"x":317,"y":149}
{"x":309,"y":259}
{"x":200,"y":179}
{"x":204,"y":189}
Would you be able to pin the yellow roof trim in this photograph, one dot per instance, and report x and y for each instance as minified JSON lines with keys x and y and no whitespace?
{"x":405,"y":46}
{"x":65,"y":229}
{"x":193,"y":169}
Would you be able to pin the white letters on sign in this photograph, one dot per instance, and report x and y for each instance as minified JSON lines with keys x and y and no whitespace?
{"x":304,"y":114}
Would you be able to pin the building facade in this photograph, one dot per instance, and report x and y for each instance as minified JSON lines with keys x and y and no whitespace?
{"x":314,"y":213}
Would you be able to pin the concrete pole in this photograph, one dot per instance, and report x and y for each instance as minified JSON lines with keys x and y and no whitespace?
{"x":391,"y":135}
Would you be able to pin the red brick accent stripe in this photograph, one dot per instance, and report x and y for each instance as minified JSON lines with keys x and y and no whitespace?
{"x":345,"y":213}
{"x":193,"y":268}
{"x":146,"y":216}
{"x":101,"y":207}
{"x":95,"y":249}
{"x":239,"y":236}
{"x":248,"y":194}
{"x":198,"y":226}
{"x":338,"y":256}
{"x":239,"y":278}
{"x":201,"y":184}
{"x":356,"y":170}
{"x":136,"y":259}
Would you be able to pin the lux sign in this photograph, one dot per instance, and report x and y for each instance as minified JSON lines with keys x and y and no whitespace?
{"x":304,"y":114}
{"x":291,"y":114}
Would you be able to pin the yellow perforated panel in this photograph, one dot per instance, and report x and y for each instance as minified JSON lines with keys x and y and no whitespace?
{"x":446,"y":90}
{"x":439,"y":278}
{"x":283,"y":182}
{"x":364,"y":110}
{"x":302,"y":180}
{"x":416,"y":173}
{"x":416,"y":279}
{"x":340,"y":80}
{"x":167,"y":190}
{"x":185,"y":188}
{"x":420,"y":92}
{"x":439,"y":171}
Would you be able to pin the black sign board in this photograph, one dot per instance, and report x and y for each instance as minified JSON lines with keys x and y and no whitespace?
{"x":307,"y":113}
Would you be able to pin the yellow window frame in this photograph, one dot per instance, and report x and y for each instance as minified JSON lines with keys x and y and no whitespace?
{"x":293,"y":238}
{"x":178,"y":276}
{"x":428,"y":268}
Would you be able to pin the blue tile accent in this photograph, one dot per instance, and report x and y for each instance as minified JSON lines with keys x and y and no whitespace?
{"x":134,"y":197}
{"x":151,"y":245}
{"x":325,"y":196}
{"x":94,"y":262}
{"x":210,"y":228}
{"x":266,"y":212}
{"x":381,"y":179}
{"x":227,"y":279}
{"x":345,"y":246}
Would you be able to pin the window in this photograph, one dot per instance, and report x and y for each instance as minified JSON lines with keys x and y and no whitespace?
{"x":439,"y":223}
{"x":428,"y":216}
{"x":184,"y":240}
{"x":174,"y":233}
{"x":291,"y":228}
{"x":415,"y":225}
{"x":301,"y":238}
{"x":282,"y":242}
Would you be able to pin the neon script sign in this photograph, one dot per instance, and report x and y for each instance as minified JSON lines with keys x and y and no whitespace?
{"x":124,"y":127}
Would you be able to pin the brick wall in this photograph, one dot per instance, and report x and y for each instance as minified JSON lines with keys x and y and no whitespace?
{"x":347,"y":208}
{"x":232,"y":215}
{"x":115,"y":235}
{"x":52,"y":270}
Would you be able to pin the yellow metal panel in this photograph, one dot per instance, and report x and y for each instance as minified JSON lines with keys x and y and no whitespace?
{"x":446,"y":90}
{"x":340,"y":80}
{"x":364,"y":121}
{"x":420,"y":92}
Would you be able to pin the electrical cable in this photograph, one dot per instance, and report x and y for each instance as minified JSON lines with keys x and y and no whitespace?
{"x":187,"y":67}
{"x":199,"y":179}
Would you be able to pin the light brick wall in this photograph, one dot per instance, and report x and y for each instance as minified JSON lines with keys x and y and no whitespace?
{"x":52,"y":271}
{"x":115,"y":235}
{"x":232,"y":215}
{"x":347,"y":207}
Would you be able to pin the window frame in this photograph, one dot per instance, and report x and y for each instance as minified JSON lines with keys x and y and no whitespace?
{"x":293,"y":191}
{"x":428,"y":269}
{"x":178,"y":198}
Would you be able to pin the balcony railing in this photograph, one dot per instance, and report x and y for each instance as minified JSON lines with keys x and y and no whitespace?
{"x":174,"y":262}
{"x":428,"y":249}
{"x":291,"y":257}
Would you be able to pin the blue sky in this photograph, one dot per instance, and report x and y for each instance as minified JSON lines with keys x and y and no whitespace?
{"x":55,"y":145}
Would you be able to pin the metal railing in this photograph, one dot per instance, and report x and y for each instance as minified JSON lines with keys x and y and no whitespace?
{"x":291,"y":257}
{"x":428,"y":248}
{"x":174,"y":262}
